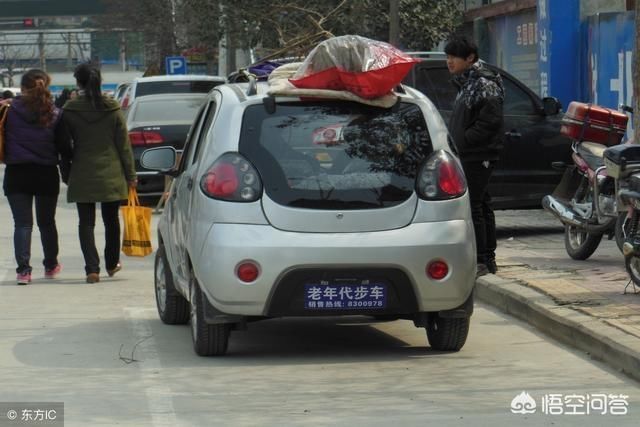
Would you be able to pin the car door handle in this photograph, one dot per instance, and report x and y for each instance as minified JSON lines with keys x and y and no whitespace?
{"x":189,"y":183}
{"x":513,"y":134}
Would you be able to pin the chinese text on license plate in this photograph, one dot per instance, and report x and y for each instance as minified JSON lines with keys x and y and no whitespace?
{"x":345,"y":296}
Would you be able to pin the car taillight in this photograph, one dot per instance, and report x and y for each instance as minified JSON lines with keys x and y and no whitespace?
{"x":232,"y":178}
{"x":441,"y":178}
{"x":125,"y":103}
{"x":145,"y":138}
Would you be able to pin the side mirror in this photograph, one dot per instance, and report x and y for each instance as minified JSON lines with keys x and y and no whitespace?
{"x":162,"y":159}
{"x":551,"y":106}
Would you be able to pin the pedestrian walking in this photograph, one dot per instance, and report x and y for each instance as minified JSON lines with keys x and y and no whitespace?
{"x":7,"y":97}
{"x":102,"y":168}
{"x":476,"y":126}
{"x":64,"y":96}
{"x":35,"y":139}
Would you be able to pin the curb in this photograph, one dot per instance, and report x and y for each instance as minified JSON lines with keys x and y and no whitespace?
{"x":600,"y":341}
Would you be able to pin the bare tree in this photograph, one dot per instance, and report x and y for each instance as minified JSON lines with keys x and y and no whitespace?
{"x":276,"y":26}
{"x":156,"y":19}
{"x":11,"y":56}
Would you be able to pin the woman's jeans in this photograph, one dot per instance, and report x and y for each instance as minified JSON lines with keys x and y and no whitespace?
{"x":111,"y":220}
{"x":22,"y":210}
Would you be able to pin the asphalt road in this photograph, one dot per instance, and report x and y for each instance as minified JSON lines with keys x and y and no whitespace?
{"x":102,"y":350}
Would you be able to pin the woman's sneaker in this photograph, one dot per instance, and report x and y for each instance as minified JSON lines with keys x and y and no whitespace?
{"x":24,"y":278}
{"x":51,"y":273}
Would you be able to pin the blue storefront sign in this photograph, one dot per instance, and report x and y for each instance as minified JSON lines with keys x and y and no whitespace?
{"x":611,"y":40}
{"x":515,"y":46}
{"x":559,"y":49}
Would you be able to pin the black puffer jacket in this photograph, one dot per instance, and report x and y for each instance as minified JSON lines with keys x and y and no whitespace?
{"x":477,"y":124}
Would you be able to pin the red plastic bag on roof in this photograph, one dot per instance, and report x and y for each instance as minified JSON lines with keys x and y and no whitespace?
{"x":365,"y":67}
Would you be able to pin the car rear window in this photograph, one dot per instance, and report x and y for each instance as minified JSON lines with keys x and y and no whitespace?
{"x":181,"y":86}
{"x":336,"y":155}
{"x":179,"y":110}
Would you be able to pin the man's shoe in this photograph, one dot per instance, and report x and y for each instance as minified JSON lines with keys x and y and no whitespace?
{"x":114,"y":270}
{"x":492,"y":266}
{"x":482,"y":270}
{"x":51,"y":273}
{"x":93,"y":278}
{"x":24,"y":278}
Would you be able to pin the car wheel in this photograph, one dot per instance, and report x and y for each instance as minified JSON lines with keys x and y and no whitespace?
{"x":173,"y":308}
{"x":208,"y":340}
{"x":579,"y":244}
{"x":447,"y":334}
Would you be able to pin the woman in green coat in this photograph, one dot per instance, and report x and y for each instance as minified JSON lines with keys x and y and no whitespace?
{"x":102,"y":167}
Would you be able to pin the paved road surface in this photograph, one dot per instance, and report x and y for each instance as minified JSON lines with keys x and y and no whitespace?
{"x":71,"y":342}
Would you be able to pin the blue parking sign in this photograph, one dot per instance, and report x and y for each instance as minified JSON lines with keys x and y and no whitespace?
{"x":175,"y":64}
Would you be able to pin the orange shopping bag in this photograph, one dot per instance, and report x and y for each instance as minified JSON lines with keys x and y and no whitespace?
{"x":136,"y":236}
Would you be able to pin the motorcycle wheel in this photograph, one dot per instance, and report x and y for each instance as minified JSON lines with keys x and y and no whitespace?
{"x":632,"y":265}
{"x":622,"y":228}
{"x":579,"y":244}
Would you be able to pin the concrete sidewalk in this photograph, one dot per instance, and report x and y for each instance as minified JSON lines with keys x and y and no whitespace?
{"x":580,"y":303}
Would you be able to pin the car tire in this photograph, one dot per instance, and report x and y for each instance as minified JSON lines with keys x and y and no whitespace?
{"x":208,"y":340}
{"x":447,"y":334}
{"x":173,"y":308}
{"x":579,"y":244}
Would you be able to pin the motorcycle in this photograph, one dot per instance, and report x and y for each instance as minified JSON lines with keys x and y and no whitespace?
{"x":585,"y":199}
{"x":623,"y":163}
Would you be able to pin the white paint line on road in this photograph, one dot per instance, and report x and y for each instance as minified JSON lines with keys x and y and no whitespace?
{"x":158,"y":395}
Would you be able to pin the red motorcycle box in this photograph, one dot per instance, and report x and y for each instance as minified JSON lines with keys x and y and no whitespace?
{"x":588,"y":122}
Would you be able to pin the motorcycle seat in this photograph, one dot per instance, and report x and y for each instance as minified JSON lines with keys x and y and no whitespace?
{"x":592,"y":153}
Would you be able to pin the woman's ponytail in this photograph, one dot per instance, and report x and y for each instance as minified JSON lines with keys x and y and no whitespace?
{"x":88,"y":78}
{"x":36,"y":95}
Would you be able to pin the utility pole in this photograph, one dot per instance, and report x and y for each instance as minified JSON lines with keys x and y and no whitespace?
{"x":394,"y":22}
{"x":69,"y":52}
{"x":43,"y":61}
{"x":123,"y":51}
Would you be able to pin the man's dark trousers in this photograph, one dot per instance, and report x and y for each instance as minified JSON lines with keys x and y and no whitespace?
{"x":478,"y":174}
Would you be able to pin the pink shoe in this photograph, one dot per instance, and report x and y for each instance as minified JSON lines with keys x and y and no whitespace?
{"x":23,"y":279}
{"x":52,"y":273}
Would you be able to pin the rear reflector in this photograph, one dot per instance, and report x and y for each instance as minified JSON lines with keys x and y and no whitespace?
{"x":437,"y":270}
{"x":247,"y":272}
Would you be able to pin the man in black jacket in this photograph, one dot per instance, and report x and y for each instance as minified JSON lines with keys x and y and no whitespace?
{"x":476,"y":126}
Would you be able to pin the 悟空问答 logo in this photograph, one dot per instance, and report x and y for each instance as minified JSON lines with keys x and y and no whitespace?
{"x":523,"y":404}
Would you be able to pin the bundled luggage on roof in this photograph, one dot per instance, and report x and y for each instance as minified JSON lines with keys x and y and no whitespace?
{"x":350,"y":67}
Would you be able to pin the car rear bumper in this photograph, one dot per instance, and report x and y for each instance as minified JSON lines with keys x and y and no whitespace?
{"x":281,"y":255}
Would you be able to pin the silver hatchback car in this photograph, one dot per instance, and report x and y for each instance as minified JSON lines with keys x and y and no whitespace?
{"x":286,"y":206}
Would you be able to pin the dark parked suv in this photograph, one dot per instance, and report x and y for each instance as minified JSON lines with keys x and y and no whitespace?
{"x":532,"y":133}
